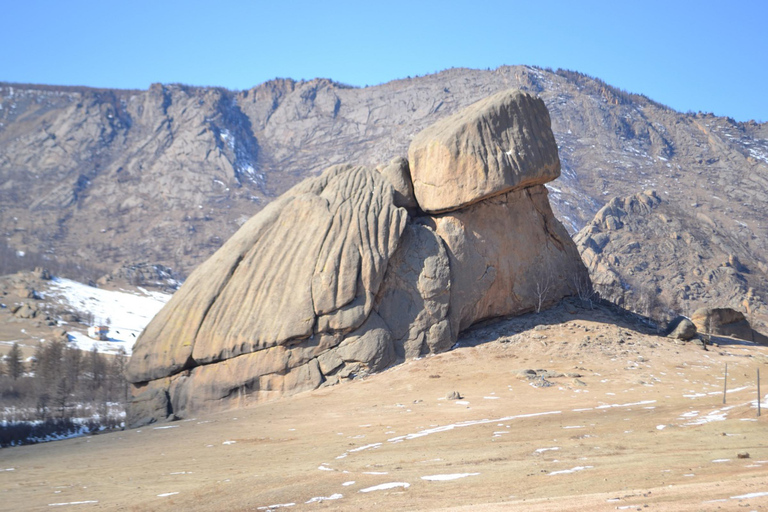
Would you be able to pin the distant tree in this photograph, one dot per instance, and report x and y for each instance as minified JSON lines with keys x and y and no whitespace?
{"x":97,"y":369}
{"x":119,"y":386}
{"x":584,"y":290}
{"x":38,"y":356}
{"x":544,"y":282}
{"x":42,"y":406}
{"x":50,"y":367}
{"x":61,"y":394}
{"x":73,"y":363}
{"x":14,"y":363}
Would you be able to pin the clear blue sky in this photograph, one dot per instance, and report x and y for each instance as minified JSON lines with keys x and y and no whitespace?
{"x":691,"y":55}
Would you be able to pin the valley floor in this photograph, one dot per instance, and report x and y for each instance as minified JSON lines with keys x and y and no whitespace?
{"x":635,"y":421}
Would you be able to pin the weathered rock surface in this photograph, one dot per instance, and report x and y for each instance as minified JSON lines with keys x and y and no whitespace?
{"x":496,"y":145}
{"x":414,"y":300}
{"x":501,"y":250}
{"x":311,"y":262}
{"x":398,"y":173}
{"x":148,"y":406}
{"x":332,"y":280}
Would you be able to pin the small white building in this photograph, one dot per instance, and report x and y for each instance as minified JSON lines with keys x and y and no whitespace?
{"x":98,"y":332}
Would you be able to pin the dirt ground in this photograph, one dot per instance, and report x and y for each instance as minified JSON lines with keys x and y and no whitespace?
{"x":635,"y":422}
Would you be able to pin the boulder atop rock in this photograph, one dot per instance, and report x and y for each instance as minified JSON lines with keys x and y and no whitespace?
{"x":496,"y":145}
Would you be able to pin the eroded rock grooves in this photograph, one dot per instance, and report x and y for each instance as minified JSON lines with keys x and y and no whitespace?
{"x":345,"y":274}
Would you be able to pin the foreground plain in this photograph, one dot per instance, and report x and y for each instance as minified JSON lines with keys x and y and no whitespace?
{"x":622,"y":419}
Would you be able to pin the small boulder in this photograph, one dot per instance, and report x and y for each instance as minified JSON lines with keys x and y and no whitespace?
{"x":681,"y":328}
{"x":454,"y":395}
{"x":26,"y":311}
{"x":25,"y":291}
{"x":42,"y":273}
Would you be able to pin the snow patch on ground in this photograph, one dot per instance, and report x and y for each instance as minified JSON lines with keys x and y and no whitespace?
{"x":445,"y":478}
{"x":384,"y":487}
{"x":319,"y":499}
{"x":126,"y":312}
{"x":750,"y":495}
{"x":446,"y":428}
{"x":72,"y":503}
{"x":572,"y":470}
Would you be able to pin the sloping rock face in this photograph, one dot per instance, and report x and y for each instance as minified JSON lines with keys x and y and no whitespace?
{"x":336,"y":279}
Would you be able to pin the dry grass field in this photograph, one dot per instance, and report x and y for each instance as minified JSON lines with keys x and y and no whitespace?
{"x":622,"y":420}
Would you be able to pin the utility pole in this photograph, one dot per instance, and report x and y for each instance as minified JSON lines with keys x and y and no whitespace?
{"x":758,"y":392}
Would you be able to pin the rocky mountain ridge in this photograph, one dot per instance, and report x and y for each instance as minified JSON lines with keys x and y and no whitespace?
{"x":166,"y":175}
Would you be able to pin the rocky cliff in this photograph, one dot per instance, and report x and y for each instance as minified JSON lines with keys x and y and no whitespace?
{"x":347,"y":273}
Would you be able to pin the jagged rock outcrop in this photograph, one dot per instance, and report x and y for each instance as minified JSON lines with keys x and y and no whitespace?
{"x":336,"y":278}
{"x":663,"y":259}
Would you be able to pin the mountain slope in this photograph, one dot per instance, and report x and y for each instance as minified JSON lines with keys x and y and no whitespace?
{"x":165,"y":175}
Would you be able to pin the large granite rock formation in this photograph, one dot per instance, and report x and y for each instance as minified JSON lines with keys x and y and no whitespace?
{"x":344,"y":274}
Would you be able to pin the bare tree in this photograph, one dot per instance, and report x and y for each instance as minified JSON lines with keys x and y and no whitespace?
{"x":584,"y":289}
{"x":543,"y":285}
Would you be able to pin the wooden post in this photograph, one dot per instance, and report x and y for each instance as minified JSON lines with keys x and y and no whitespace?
{"x":725,"y":384}
{"x":758,"y":392}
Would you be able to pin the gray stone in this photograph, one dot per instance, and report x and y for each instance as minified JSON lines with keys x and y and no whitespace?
{"x":149,"y":406}
{"x":414,"y":299}
{"x":682,"y":329}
